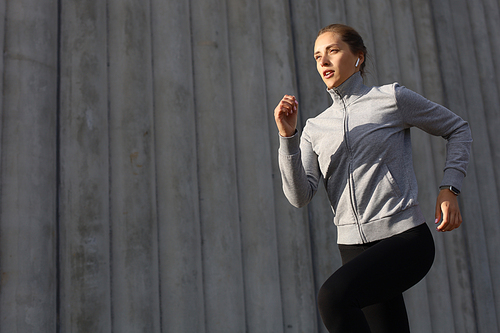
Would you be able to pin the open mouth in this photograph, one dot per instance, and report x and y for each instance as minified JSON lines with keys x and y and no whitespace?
{"x":328,"y":74}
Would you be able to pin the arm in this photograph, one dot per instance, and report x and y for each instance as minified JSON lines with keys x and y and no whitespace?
{"x":438,"y":120}
{"x":297,"y":161}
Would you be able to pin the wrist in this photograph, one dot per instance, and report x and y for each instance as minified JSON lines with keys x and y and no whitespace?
{"x":450,"y":188}
{"x":288,"y":134}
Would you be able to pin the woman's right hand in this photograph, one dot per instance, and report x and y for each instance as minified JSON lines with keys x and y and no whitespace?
{"x":285,"y":115}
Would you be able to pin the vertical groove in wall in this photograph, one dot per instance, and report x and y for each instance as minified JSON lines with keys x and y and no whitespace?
{"x":110,"y":225}
{"x":196,"y":140}
{"x":3,"y":23}
{"x":300,"y":121}
{"x":155,"y":162}
{"x":195,"y":119}
{"x":58,"y":172}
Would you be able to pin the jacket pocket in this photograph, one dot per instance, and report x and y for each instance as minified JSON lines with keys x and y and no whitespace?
{"x":377,"y":193}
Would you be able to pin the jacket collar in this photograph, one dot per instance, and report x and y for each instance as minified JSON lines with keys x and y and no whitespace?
{"x":352,"y":88}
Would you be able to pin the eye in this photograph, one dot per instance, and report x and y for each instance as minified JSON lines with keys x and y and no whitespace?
{"x":334,"y":50}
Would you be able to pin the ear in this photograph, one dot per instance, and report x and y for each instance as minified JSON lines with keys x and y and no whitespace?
{"x":361,"y":57}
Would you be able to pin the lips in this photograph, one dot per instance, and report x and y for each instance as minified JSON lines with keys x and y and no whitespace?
{"x":328,"y":73}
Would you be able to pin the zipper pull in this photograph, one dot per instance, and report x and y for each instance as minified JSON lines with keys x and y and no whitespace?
{"x":338,"y":93}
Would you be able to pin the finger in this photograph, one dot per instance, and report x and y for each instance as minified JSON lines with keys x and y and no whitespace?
{"x":453,"y":221}
{"x":449,"y":221}
{"x":444,"y":226}
{"x":445,"y":214}
{"x":290,"y":100}
{"x":282,"y":109}
{"x":288,"y":108}
{"x":437,"y":214}
{"x":447,"y":225}
{"x":441,"y":226}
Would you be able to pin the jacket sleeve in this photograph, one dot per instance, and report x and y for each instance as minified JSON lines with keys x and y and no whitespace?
{"x":299,"y":169}
{"x":437,"y":120}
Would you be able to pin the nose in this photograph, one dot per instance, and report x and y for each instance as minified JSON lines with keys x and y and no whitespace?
{"x":325,"y":61}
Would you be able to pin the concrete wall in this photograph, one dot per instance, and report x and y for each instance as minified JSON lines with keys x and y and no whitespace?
{"x":139,"y":182}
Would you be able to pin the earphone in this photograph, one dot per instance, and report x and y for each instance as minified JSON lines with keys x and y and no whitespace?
{"x":357,"y":63}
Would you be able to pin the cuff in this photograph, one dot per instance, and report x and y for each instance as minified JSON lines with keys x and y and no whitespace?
{"x":289,"y":145}
{"x":453,"y":177}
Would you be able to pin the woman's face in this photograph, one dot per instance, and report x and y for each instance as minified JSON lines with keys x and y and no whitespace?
{"x":334,"y":60}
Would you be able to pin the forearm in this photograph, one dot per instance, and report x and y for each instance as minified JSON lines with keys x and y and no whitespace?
{"x":299,"y":185}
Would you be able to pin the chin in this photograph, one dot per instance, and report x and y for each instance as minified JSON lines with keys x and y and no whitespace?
{"x":329,"y":85}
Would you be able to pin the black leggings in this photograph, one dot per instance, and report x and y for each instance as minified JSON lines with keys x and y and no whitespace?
{"x":365,"y":294}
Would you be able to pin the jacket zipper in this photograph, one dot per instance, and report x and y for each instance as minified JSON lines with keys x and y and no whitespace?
{"x":352,"y":198}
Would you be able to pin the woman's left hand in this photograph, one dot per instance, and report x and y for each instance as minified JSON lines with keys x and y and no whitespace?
{"x":447,"y":205}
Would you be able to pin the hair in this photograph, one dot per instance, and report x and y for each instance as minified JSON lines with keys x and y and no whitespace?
{"x":351,"y":37}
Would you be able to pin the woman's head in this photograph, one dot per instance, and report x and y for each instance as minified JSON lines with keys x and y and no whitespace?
{"x":339,"y":52}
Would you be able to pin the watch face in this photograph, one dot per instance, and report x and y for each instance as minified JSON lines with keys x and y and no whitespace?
{"x":454,"y":190}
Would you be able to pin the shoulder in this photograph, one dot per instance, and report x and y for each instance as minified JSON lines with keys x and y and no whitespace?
{"x":389,"y":88}
{"x":401,"y":95}
{"x":381,"y":95}
{"x":386,"y":90}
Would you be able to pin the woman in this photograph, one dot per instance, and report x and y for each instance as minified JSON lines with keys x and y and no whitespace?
{"x":360,"y":146}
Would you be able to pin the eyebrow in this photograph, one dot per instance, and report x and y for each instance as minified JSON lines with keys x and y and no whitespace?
{"x":328,"y":47}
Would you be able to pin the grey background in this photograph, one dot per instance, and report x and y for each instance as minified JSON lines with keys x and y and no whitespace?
{"x":139,"y":184}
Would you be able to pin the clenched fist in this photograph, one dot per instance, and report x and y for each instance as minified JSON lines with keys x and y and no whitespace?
{"x":285,"y":115}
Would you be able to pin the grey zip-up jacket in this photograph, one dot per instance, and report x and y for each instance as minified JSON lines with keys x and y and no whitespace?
{"x":360,"y":146}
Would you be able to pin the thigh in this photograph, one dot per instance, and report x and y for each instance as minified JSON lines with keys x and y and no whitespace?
{"x":388,"y":316}
{"x":384,"y":270}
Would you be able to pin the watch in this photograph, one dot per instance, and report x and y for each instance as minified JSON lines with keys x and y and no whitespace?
{"x":453,"y":189}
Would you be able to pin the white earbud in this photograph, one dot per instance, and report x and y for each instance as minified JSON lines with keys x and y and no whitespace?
{"x":357,"y":63}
